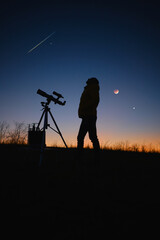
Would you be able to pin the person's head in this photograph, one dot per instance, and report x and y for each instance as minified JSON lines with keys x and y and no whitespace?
{"x":92,"y":81}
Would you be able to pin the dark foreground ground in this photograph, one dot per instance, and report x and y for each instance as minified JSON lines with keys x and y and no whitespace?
{"x":71,"y":199}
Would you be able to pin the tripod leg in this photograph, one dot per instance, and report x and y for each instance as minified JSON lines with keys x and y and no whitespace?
{"x":43,"y":138}
{"x":58,"y":129}
{"x":40,"y":119}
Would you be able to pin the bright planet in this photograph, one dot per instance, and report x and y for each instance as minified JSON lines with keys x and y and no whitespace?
{"x":116,"y":91}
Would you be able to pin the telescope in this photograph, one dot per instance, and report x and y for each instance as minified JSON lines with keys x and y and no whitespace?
{"x":51,"y":98}
{"x":37,"y":136}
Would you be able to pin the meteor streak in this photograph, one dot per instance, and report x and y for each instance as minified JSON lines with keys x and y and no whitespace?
{"x":40,"y":43}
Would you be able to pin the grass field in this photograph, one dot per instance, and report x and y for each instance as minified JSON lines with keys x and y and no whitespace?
{"x":80,"y":197}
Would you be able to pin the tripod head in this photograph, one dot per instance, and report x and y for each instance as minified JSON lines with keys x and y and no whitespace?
{"x":51,"y":98}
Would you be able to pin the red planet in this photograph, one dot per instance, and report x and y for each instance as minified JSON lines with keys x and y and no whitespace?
{"x":116,"y":91}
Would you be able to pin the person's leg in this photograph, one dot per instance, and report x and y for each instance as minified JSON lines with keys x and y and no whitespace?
{"x":93,"y":134}
{"x":82,"y":133}
{"x":80,"y":142}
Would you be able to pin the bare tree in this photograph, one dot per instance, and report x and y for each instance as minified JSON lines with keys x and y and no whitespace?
{"x":18,"y":134}
{"x":4,"y":126}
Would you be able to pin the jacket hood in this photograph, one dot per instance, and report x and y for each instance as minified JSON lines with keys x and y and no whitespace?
{"x":92,"y":80}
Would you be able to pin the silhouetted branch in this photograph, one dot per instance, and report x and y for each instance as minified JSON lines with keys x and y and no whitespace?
{"x":18,"y":134}
{"x":4,"y":126}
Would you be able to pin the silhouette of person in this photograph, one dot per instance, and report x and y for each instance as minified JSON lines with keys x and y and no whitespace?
{"x":88,"y":112}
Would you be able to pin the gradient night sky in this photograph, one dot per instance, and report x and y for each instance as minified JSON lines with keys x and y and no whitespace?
{"x":116,"y":41}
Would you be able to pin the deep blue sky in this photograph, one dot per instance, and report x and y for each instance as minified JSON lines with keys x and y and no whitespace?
{"x":115,"y":41}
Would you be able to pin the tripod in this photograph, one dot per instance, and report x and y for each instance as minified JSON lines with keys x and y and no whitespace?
{"x":46,"y":110}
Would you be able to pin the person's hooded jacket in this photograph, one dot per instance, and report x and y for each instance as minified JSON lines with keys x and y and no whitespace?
{"x":89,"y":100}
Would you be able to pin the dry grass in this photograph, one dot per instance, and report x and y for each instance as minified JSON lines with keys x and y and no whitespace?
{"x":126,"y":146}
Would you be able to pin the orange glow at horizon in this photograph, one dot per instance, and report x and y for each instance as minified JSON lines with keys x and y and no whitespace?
{"x":146,"y":143}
